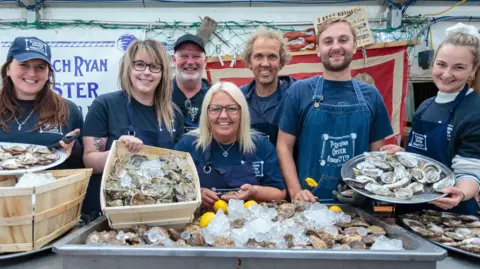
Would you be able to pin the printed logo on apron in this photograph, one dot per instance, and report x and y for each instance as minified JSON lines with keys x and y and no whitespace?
{"x":449,"y":132}
{"x":257,"y":168}
{"x":45,"y":128}
{"x":335,"y":150}
{"x":418,"y":141}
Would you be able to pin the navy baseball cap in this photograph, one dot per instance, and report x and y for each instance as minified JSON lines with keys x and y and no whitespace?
{"x":28,"y":48}
{"x":189,"y":38}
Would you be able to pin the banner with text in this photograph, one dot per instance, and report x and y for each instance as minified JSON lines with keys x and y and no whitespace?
{"x":86,"y":62}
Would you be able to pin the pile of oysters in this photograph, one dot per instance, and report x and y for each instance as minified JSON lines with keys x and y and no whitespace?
{"x":138,"y":180}
{"x":356,"y":233}
{"x":400,"y":175}
{"x":459,"y":231}
{"x":25,"y":156}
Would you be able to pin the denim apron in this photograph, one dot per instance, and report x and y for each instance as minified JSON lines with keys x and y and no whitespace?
{"x":160,"y":138}
{"x":227,"y":177}
{"x":430,"y":139}
{"x":331,"y":135}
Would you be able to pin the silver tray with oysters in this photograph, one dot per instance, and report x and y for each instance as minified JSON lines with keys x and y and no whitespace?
{"x":402,"y":178}
{"x":18,"y":158}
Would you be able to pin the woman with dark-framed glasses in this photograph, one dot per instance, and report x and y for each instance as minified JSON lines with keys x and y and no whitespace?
{"x":229,"y":156}
{"x":141,"y":113}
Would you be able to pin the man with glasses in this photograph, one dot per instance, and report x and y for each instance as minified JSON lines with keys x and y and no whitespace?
{"x":189,"y":87}
{"x":266,"y":53}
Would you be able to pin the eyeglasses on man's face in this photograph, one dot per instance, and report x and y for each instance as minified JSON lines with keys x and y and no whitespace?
{"x":141,"y":66}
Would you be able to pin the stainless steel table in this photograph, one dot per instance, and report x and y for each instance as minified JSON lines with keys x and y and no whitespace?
{"x":49,"y":260}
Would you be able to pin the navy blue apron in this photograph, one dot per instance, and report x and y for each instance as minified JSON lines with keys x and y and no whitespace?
{"x":430,"y":139}
{"x":331,"y":135}
{"x":226,"y":177}
{"x":160,"y":138}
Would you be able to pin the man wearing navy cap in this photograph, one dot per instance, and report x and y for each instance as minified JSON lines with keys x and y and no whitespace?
{"x":189,"y":87}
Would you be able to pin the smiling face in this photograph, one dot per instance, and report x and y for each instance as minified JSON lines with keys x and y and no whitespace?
{"x":336,"y":47}
{"x":189,"y":61}
{"x":144,"y":82}
{"x":265,"y":61}
{"x":452,"y":68}
{"x":28,"y":77}
{"x":225,"y":123}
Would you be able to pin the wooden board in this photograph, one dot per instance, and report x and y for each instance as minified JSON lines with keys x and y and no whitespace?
{"x":129,"y":216}
{"x":229,"y":58}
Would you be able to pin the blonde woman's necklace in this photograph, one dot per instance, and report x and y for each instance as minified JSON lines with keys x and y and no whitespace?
{"x":225,"y":152}
{"x":21,"y":124}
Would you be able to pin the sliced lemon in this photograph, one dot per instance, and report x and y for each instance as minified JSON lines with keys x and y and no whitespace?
{"x":220,"y":204}
{"x":249,"y":203}
{"x":311,"y":182}
{"x":206,"y":218}
{"x":335,"y":208}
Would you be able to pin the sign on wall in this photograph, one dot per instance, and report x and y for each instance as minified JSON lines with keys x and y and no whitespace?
{"x":86,"y":62}
{"x":359,"y":19}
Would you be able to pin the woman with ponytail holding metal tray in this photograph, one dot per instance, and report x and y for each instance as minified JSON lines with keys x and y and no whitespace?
{"x":447,"y":126}
{"x":30,"y":111}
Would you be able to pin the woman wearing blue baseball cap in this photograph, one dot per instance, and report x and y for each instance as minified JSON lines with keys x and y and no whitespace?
{"x":30,"y":111}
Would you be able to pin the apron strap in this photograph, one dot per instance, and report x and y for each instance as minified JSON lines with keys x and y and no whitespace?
{"x":358,"y":93}
{"x":457,"y":101}
{"x":318,"y":94}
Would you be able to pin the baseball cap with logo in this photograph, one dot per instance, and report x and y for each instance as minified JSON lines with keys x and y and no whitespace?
{"x":28,"y":48}
{"x":189,"y":38}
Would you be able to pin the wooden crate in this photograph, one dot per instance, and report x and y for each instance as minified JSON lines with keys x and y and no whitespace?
{"x":174,"y":215}
{"x":25,"y":227}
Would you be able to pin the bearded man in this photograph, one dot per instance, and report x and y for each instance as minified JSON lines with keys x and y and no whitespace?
{"x":332,"y":118}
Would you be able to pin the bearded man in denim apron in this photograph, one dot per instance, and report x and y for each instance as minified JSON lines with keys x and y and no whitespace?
{"x":332,"y":118}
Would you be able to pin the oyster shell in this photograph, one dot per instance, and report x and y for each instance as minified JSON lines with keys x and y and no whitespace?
{"x":141,"y":199}
{"x":407,"y":161}
{"x":418,"y":174}
{"x":5,"y":156}
{"x":403,"y":193}
{"x":388,"y":177}
{"x":416,"y":187}
{"x":359,"y":181}
{"x":318,"y":243}
{"x":432,"y":172}
{"x":11,"y":164}
{"x":443,"y":184}
{"x":372,"y":172}
{"x":225,"y":242}
{"x":185,"y":192}
{"x":16,"y":149}
{"x":376,"y":230}
{"x":377,"y":189}
{"x":362,"y":165}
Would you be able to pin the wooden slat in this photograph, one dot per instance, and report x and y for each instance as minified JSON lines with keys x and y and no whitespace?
{"x":229,"y":58}
{"x":47,"y":239}
{"x":13,"y":191}
{"x":64,"y":181}
{"x":57,"y":210}
{"x":16,"y":247}
{"x":24,"y":220}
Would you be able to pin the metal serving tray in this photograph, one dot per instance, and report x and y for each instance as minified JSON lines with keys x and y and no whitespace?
{"x":419,"y":253}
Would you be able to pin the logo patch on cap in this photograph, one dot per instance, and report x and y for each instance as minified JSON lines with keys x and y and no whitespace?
{"x":35,"y":45}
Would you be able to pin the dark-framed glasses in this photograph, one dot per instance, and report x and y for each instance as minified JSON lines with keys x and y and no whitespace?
{"x":141,"y":66}
{"x":217,"y":109}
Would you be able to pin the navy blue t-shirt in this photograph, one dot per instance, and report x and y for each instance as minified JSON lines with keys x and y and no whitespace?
{"x":299,"y":98}
{"x":268,"y":172}
{"x":108,"y":116}
{"x":192,"y":107}
{"x":45,"y":136}
{"x":463,"y":130}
